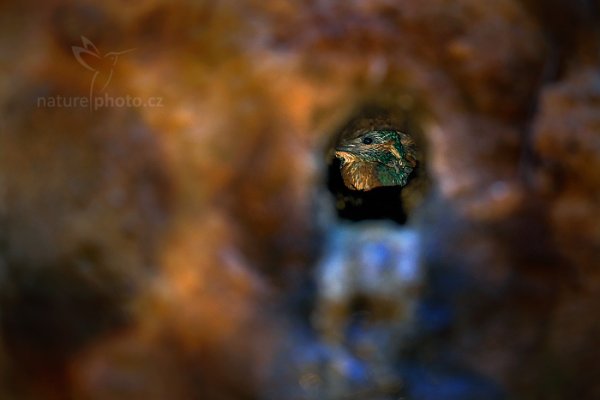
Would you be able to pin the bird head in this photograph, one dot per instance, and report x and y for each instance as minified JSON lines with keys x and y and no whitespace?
{"x":376,"y":158}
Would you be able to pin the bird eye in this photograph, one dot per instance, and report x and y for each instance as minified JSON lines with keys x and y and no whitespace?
{"x":367,"y":140}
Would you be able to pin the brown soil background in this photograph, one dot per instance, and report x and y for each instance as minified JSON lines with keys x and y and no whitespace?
{"x":150,"y":252}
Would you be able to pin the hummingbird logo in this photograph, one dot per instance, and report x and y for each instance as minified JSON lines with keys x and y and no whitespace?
{"x":101,"y":65}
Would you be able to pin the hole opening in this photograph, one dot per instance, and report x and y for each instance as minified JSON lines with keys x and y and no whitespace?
{"x":395,"y":202}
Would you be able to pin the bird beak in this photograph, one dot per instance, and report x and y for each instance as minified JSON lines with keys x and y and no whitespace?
{"x":346,"y":153}
{"x":348,"y":148}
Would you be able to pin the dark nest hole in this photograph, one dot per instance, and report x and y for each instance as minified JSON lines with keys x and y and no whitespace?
{"x":383,"y":203}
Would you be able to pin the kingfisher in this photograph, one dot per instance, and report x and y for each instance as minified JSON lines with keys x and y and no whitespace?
{"x":376,"y":158}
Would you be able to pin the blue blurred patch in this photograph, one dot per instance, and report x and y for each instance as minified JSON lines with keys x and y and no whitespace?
{"x":429,"y":384}
{"x":376,"y":256}
{"x":434,"y":316}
